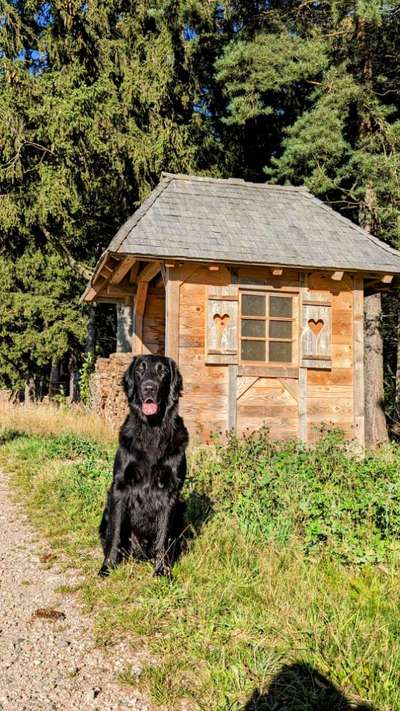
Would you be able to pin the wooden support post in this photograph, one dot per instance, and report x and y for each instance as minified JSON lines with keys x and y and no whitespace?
{"x":172,"y":288}
{"x":134,"y":272}
{"x":303,"y":433}
{"x":358,"y":361}
{"x":303,"y":375}
{"x":232,"y":396}
{"x":140,"y":305}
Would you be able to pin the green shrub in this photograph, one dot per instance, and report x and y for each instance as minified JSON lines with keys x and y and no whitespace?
{"x":85,"y":374}
{"x":324,"y":495}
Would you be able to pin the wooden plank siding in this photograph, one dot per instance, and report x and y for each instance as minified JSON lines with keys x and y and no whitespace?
{"x":292,"y":401}
{"x":204,"y":405}
{"x":268,"y":402}
{"x":329,"y":398}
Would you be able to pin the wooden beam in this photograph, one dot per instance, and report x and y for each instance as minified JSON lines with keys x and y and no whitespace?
{"x":303,"y":433}
{"x":89,"y":295}
{"x":358,"y":361}
{"x":95,"y":289}
{"x":106,"y":271}
{"x":149,"y":271}
{"x":122,"y":269}
{"x":172,"y":292}
{"x":232,"y":396}
{"x":268,"y":371}
{"x":213,"y":268}
{"x":134,"y":272}
{"x":387,"y":279}
{"x":139,"y":309}
{"x":116,"y":292}
{"x":277,"y":271}
{"x":141,"y":296}
{"x":337,"y":276}
{"x":303,"y":375}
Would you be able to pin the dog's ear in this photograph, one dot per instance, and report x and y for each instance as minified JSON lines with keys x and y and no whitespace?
{"x":176,"y":383}
{"x":128,"y":381}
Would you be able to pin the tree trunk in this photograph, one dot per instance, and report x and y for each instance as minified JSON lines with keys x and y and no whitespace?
{"x":397,"y":409}
{"x":375,"y":422}
{"x":91,"y":331}
{"x":54,"y":383}
{"x":124,"y":328}
{"x":73,"y":380}
{"x":30,"y":392}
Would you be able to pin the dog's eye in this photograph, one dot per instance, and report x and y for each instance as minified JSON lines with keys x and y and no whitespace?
{"x":141,"y":368}
{"x":161,"y":369}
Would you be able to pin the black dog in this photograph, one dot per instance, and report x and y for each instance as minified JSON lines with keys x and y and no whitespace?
{"x":143,"y":513}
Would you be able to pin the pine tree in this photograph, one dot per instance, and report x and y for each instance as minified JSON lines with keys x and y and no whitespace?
{"x":327,"y":74}
{"x":96,"y":99}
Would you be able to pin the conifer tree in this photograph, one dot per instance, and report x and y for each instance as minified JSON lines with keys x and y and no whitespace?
{"x":327,"y":74}
{"x":96,"y":99}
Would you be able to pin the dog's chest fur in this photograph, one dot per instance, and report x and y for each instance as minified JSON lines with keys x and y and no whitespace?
{"x":147,"y":483}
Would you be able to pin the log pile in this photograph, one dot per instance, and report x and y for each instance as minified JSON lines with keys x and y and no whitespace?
{"x":107,"y":395}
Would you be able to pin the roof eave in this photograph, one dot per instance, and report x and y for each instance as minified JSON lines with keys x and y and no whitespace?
{"x":234,"y":263}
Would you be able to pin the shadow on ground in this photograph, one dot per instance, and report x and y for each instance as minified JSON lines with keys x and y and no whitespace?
{"x":198,"y":510}
{"x":299,"y":687}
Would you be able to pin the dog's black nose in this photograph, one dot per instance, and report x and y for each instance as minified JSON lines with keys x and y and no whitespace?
{"x":149,"y":389}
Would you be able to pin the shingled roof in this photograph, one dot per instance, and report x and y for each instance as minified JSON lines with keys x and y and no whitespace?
{"x":209,"y":219}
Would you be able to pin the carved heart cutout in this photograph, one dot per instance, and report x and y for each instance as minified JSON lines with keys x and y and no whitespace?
{"x":316,"y":326}
{"x":221,"y":323}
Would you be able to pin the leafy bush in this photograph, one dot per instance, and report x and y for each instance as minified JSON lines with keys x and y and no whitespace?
{"x":85,"y":374}
{"x":324,"y":494}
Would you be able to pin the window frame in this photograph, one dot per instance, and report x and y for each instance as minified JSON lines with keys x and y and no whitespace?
{"x":293,"y":319}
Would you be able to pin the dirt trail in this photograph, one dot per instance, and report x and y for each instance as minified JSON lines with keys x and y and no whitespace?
{"x":49,"y":664}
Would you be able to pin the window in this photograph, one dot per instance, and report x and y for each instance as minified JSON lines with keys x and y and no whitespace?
{"x":266,"y":327}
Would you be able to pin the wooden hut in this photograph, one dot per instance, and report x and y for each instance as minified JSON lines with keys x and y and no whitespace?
{"x":257,"y":292}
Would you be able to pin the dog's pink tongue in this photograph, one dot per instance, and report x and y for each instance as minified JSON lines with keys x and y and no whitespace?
{"x":149,"y":408}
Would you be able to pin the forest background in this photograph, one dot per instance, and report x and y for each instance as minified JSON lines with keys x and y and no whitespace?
{"x":97,"y":98}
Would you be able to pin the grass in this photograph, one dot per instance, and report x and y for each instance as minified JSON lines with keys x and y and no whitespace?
{"x":287,"y":597}
{"x":55,"y":419}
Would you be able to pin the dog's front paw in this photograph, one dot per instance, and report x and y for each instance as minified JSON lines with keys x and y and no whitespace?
{"x":162,"y":569}
{"x":104,"y":571}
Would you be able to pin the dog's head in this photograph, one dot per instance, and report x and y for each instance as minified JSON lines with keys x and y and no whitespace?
{"x":152,"y":385}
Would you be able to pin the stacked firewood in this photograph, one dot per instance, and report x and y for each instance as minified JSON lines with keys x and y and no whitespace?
{"x":107,"y":395}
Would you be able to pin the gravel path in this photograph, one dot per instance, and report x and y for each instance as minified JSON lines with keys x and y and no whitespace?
{"x":47,"y":660}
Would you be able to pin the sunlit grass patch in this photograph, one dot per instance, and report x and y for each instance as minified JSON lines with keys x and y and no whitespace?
{"x":292,"y":564}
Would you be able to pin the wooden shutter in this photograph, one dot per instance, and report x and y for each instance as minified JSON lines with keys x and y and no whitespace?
{"x":222,"y":323}
{"x":316,"y":337}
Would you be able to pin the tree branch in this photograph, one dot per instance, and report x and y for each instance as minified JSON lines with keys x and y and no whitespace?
{"x":82,"y":269}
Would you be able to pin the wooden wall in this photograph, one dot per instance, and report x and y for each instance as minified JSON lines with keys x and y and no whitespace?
{"x":204,"y":404}
{"x":329,"y":393}
{"x":268,"y":401}
{"x":292,"y":402}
